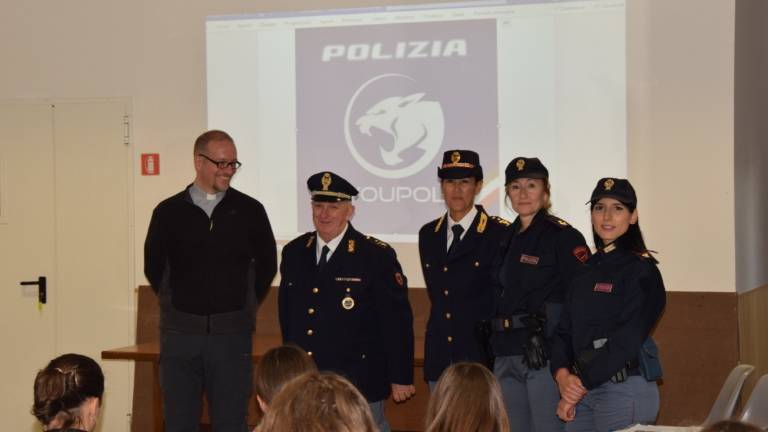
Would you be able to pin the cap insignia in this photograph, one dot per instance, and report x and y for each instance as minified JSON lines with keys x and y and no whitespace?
{"x":520,"y":164}
{"x":326,"y":181}
{"x":608,"y":184}
{"x":455,"y":157}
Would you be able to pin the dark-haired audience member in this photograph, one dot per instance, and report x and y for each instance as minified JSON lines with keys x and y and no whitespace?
{"x":276,"y":368}
{"x":318,"y":402}
{"x":603,"y":358}
{"x":68,"y":394}
{"x":467,"y":398}
{"x":731,"y":426}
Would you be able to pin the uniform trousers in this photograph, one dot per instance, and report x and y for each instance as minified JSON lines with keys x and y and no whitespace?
{"x":612,"y":406}
{"x":530,"y":396}
{"x":377,"y":411}
{"x":219,"y":365}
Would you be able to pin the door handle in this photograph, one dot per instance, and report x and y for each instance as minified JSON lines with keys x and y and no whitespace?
{"x":42,"y":288}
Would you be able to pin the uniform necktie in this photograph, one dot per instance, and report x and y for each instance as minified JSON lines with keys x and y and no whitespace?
{"x":323,"y":258}
{"x":457,"y":230}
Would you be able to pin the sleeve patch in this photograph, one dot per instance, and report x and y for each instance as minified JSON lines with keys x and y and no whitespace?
{"x":581,"y":253}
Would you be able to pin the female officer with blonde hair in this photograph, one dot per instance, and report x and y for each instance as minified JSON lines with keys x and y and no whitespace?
{"x":540,"y":254}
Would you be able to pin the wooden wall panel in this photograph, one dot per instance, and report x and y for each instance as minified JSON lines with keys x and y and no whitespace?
{"x":698,"y":339}
{"x":697,"y":335}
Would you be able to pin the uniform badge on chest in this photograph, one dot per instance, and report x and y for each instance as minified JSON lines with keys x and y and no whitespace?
{"x":603,"y":287}
{"x":348,"y":303}
{"x":529,"y":259}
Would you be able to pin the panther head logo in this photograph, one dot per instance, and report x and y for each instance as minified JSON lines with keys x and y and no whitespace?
{"x":409,"y":121}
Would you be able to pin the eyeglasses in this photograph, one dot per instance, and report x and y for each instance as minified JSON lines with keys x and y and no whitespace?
{"x":235,"y":164}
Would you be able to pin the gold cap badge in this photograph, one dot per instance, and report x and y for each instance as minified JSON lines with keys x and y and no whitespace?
{"x":520,"y":164}
{"x":608,"y":184}
{"x":455,"y":157}
{"x":326,"y":181}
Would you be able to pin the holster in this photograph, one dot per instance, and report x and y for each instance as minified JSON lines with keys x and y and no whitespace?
{"x":535,"y":350}
{"x":649,"y":362}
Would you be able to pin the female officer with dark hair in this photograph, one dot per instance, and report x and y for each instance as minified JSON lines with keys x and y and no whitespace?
{"x":603,"y":359}
{"x":540,"y":254}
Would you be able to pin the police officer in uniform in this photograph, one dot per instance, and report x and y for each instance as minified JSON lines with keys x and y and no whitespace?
{"x":343,"y":299}
{"x":456,"y":252}
{"x":605,"y":363}
{"x":541,"y":253}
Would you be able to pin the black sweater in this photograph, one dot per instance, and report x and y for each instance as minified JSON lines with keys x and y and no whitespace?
{"x":203,"y":266}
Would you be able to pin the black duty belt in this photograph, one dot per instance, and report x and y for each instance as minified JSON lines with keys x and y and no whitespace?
{"x":505,"y":324}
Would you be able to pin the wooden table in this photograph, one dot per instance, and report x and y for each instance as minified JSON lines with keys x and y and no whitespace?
{"x":408,"y":416}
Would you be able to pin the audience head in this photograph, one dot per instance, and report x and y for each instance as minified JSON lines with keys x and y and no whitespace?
{"x":467,"y":398}
{"x":731,"y":426}
{"x":318,"y":402}
{"x":68,"y":393}
{"x":276,"y":367}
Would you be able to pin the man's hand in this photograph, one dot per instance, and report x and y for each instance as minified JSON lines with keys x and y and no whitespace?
{"x":401,"y":393}
{"x":566,"y":411}
{"x":570,"y":386}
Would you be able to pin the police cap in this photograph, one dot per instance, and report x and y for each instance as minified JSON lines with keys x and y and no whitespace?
{"x":329,"y":187}
{"x":616,"y":188}
{"x":460,"y":164}
{"x":523,"y":167}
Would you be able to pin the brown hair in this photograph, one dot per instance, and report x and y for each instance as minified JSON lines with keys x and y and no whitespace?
{"x":318,"y":402}
{"x":278,"y":366}
{"x":63,"y":386}
{"x":731,"y":426}
{"x":467,"y":398}
{"x":201,"y":143}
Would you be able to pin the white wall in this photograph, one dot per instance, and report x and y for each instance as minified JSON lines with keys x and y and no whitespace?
{"x":681,"y":137}
{"x":751,"y":144}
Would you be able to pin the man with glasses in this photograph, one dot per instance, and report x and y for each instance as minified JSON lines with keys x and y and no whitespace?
{"x":210,"y":255}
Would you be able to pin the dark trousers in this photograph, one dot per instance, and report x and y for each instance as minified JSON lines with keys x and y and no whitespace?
{"x":218,"y":365}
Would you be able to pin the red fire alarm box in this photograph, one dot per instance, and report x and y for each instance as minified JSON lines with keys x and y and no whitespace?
{"x":150,"y":164}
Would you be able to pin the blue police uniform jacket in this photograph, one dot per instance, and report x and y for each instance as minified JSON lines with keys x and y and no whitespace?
{"x":459,"y":289}
{"x":533,"y":275}
{"x":620,"y":298}
{"x":353,"y":316}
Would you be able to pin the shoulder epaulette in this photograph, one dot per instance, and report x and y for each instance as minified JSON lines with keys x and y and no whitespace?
{"x":310,"y":240}
{"x":377,"y":242}
{"x":439,"y":222}
{"x":501,"y":221}
{"x":644,"y":255}
{"x":557,"y":221}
